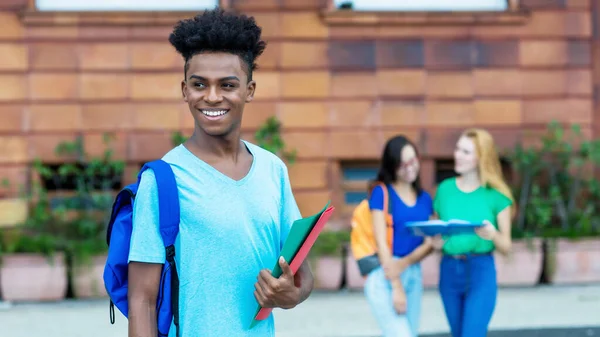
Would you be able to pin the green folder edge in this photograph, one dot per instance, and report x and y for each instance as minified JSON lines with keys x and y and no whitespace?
{"x":298,"y":234}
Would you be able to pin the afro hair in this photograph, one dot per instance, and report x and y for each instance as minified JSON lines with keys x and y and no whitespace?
{"x":219,"y":31}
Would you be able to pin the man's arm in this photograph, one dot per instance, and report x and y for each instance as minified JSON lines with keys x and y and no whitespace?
{"x":144,"y":279}
{"x":146,"y":258}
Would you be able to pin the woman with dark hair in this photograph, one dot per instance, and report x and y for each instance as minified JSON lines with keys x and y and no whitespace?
{"x":394,"y":289}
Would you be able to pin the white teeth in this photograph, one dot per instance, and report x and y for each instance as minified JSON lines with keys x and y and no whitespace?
{"x":214,"y":113}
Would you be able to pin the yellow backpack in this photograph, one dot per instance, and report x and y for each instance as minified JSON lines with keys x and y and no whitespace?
{"x":362,"y":236}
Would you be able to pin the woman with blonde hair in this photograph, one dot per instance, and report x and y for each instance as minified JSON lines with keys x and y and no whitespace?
{"x":478,"y":194}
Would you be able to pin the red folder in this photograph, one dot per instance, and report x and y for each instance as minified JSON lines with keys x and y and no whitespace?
{"x":302,"y":253}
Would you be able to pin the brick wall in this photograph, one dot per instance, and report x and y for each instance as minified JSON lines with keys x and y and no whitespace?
{"x":340,"y":89}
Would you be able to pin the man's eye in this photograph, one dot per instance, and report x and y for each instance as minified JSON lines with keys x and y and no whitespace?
{"x":228,"y":85}
{"x":199,"y":85}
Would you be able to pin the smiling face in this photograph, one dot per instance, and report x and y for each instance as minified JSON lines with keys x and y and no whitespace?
{"x":408,"y":171}
{"x":216,"y":89}
{"x":465,"y":156}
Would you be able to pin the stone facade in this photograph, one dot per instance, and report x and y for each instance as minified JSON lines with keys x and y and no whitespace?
{"x":339,"y":86}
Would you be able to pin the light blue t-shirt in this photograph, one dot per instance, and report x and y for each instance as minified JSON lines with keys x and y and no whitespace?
{"x":229,"y":231}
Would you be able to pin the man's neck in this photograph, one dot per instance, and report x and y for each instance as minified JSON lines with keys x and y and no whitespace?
{"x":215,"y":147}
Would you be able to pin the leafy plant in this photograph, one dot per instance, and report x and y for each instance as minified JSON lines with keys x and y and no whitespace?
{"x":268,"y":136}
{"x":4,"y":186}
{"x":556,"y":191}
{"x":330,"y":243}
{"x":177,"y":138}
{"x":39,"y":232}
{"x":19,"y":241}
{"x":78,"y":208}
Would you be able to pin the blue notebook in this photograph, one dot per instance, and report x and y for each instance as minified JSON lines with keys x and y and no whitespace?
{"x":435,"y":227}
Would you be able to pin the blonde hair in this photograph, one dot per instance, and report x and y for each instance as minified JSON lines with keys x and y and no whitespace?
{"x":490,"y":170}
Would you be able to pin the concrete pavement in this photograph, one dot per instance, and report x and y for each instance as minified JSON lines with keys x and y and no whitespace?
{"x":343,"y":314}
{"x":543,"y":332}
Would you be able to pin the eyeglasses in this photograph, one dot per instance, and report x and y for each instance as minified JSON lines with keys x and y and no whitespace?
{"x":410,"y":162}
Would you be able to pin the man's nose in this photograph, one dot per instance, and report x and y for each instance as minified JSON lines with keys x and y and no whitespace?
{"x":213,"y":95}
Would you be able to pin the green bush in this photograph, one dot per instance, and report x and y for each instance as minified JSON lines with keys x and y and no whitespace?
{"x":73,"y":216}
{"x":555,"y":187}
{"x":269,"y":138}
{"x":330,"y":243}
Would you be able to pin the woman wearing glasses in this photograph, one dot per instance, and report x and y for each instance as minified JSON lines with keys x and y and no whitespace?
{"x":394,"y":290}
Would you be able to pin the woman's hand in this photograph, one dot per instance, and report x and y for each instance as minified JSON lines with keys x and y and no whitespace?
{"x":437,"y":242}
{"x":395,"y":267}
{"x":487,"y":231}
{"x":399,"y":300}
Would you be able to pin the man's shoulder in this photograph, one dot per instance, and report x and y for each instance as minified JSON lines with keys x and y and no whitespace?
{"x":175,"y":155}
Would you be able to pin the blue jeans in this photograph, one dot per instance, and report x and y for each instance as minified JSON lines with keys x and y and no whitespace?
{"x":378,"y":291}
{"x":468,"y":289}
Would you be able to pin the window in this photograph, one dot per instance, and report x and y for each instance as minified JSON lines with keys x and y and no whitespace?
{"x":355,"y":178}
{"x":125,"y":5}
{"x":422,"y":5}
{"x":444,"y":168}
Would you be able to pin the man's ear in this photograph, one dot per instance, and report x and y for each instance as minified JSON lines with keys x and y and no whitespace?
{"x":251,"y":88}
{"x":184,"y":91}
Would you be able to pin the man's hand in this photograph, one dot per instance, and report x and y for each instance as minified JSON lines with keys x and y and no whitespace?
{"x":395,"y":267}
{"x":281,"y":293}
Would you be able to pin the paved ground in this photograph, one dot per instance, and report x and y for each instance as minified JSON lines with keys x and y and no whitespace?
{"x":549,"y":332}
{"x":520,"y":313}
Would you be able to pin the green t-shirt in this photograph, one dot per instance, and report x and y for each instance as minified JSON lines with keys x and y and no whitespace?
{"x":482,"y":204}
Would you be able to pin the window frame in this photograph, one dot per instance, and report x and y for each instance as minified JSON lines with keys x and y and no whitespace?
{"x":30,"y":16}
{"x":508,"y":4}
{"x":516,"y":14}
{"x":343,"y":186}
{"x":123,"y":10}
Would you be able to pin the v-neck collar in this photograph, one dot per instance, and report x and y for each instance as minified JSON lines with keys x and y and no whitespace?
{"x":218,"y":174}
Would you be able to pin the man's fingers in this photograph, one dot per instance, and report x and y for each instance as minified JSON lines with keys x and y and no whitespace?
{"x":259,"y":288}
{"x":285,"y":267}
{"x":259,"y":294}
{"x":268,"y":280}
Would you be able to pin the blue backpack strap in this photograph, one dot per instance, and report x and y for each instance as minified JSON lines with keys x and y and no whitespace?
{"x":169,"y":217}
{"x":168,"y":199}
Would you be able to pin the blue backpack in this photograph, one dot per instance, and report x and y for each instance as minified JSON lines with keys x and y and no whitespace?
{"x":118,"y":239}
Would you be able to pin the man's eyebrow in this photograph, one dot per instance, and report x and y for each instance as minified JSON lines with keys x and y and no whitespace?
{"x":197,"y":77}
{"x":228,"y":78}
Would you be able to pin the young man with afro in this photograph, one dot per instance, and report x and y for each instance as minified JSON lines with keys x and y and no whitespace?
{"x":236,"y":201}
